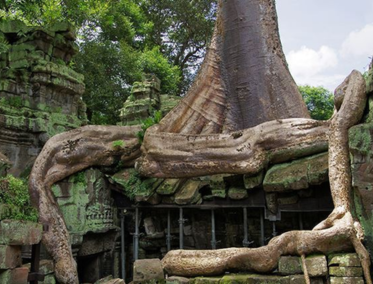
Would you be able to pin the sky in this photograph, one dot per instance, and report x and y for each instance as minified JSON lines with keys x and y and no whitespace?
{"x":324,"y":40}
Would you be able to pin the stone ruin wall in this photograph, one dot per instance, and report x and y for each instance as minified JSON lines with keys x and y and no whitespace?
{"x":40,"y":94}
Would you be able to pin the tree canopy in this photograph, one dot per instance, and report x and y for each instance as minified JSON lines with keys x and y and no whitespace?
{"x":319,"y":101}
{"x":121,"y":40}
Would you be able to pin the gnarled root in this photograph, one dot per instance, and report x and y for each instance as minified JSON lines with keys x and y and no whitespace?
{"x":340,"y":237}
{"x":62,"y":156}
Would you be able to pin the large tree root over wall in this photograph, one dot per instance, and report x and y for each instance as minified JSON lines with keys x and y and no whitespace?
{"x":333,"y":234}
{"x":242,"y":113}
{"x":64,"y":155}
{"x":244,"y":151}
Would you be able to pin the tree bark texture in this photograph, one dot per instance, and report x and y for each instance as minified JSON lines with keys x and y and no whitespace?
{"x":336,"y":233}
{"x":242,"y":113}
{"x":64,"y":155}
{"x":242,"y":152}
{"x":244,"y":80}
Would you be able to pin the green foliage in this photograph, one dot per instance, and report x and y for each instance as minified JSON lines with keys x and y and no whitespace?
{"x":153,"y":62}
{"x":121,"y":40}
{"x":4,"y":45}
{"x":14,"y":193}
{"x":150,"y":121}
{"x":182,"y":29}
{"x":319,"y":101}
{"x":118,"y":144}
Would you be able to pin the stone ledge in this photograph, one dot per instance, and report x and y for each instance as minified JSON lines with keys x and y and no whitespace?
{"x":16,"y":232}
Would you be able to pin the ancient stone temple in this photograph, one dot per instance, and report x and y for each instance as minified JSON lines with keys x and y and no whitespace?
{"x":120,"y":223}
{"x":40,"y":95}
{"x":146,"y":98}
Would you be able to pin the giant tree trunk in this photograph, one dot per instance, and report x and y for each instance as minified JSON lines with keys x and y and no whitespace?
{"x":244,"y":80}
{"x":242,"y":112}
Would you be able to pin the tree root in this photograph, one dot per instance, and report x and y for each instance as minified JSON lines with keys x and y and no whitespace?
{"x":340,"y":237}
{"x":182,"y":155}
{"x":247,"y":151}
{"x":63,"y":155}
{"x":305,"y":270}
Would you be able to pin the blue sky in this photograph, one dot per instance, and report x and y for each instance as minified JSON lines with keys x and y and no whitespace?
{"x":324,"y":40}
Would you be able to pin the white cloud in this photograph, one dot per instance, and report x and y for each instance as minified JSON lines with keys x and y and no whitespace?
{"x":359,"y":43}
{"x":307,"y":62}
{"x":328,"y":81}
{"x":309,"y":66}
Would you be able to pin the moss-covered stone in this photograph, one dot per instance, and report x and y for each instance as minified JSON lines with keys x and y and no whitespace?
{"x":189,"y":192}
{"x":205,"y":280}
{"x":237,"y":193}
{"x":316,"y":265}
{"x":289,"y":265}
{"x":361,"y":168}
{"x":346,"y":280}
{"x":40,"y":96}
{"x":177,"y":280}
{"x":340,"y":271}
{"x":297,"y":175}
{"x":219,"y":193}
{"x":253,"y":279}
{"x":17,"y":232}
{"x":85,"y":203}
{"x":17,"y":275}
{"x":359,"y":138}
{"x":344,"y":259}
{"x":169,"y":186}
{"x":251,"y":182}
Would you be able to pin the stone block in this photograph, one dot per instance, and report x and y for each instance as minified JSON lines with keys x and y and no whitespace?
{"x":251,"y":182}
{"x":237,"y":193}
{"x":177,"y":280}
{"x":297,"y":175}
{"x":19,"y":64}
{"x":205,"y":280}
{"x":316,"y":265}
{"x":109,"y":280}
{"x":168,"y":187}
{"x":299,"y":279}
{"x":341,"y":271}
{"x":188,"y":192}
{"x":344,"y":259}
{"x":254,"y":279}
{"x":346,"y":280}
{"x":147,"y":269}
{"x":10,"y":257}
{"x":17,"y":275}
{"x":289,"y":265}
{"x":219,"y":193}
{"x":17,"y":232}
